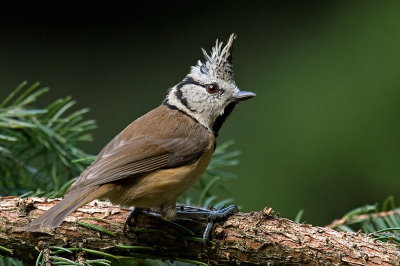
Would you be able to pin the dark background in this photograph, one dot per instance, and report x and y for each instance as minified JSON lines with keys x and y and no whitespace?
{"x":322,"y":133}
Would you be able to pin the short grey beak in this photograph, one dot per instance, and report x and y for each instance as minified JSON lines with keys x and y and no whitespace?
{"x":243,"y":95}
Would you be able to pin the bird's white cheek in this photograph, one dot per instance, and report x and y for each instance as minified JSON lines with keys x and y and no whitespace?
{"x":200,"y":98}
{"x":205,"y":98}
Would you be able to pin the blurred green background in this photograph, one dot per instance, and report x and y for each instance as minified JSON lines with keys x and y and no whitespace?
{"x":322,"y":134}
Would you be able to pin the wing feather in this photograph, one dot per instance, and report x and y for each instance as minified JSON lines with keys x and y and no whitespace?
{"x":128,"y":161}
{"x":134,"y":151}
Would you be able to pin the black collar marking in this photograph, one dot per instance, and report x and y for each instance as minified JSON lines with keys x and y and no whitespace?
{"x":179,"y":94}
{"x":221,"y":118}
{"x":173,"y":107}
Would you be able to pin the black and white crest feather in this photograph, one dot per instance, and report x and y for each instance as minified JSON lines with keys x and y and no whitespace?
{"x":219,"y":64}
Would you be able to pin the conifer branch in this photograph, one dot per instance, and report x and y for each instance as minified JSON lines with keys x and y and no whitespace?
{"x":245,"y":238}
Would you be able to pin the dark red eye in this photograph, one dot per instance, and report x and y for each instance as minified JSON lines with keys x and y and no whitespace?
{"x":212,"y":88}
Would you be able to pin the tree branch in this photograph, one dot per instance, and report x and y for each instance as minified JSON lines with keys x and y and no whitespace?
{"x":244,"y":238}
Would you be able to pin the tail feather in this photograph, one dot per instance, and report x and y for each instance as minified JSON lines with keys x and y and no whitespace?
{"x":56,"y":214}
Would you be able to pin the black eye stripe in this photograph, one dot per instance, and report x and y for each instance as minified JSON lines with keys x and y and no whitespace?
{"x":186,"y":81}
{"x":179,"y":94}
{"x":191,"y":81}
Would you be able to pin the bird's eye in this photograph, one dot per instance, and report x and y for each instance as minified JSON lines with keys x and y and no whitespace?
{"x":212,"y":88}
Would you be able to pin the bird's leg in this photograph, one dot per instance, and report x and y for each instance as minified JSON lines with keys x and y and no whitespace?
{"x":210,"y":215}
{"x":135,"y":211}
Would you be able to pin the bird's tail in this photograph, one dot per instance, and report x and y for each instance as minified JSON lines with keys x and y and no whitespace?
{"x":56,"y":214}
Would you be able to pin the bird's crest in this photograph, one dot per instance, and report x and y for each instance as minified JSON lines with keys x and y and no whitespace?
{"x":219,"y":64}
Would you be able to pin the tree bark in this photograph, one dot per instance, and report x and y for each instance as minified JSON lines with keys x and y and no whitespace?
{"x":256,"y":238}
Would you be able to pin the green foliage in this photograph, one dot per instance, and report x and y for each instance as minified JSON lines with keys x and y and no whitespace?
{"x":382,"y":224}
{"x":298,"y":216}
{"x":10,"y":262}
{"x":38,"y":153}
{"x":134,"y":260}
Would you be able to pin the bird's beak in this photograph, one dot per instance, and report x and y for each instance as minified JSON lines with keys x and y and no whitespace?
{"x":243,"y":95}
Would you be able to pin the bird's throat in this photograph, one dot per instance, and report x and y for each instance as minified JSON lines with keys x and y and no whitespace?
{"x":219,"y":121}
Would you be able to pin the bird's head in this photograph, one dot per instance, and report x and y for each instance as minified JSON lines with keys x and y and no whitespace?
{"x":209,"y":92}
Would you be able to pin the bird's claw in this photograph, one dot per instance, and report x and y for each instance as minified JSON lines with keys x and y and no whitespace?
{"x":220,"y":213}
{"x":133,"y":213}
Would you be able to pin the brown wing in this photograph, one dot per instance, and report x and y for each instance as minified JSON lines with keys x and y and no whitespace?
{"x":141,"y":148}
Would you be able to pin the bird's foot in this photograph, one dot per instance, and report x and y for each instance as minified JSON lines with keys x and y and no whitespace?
{"x":134,"y":212}
{"x":211,"y":216}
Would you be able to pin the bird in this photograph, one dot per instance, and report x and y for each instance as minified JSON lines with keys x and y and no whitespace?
{"x":161,"y":154}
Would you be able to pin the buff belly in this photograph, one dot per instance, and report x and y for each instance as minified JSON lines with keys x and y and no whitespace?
{"x":164,"y":186}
